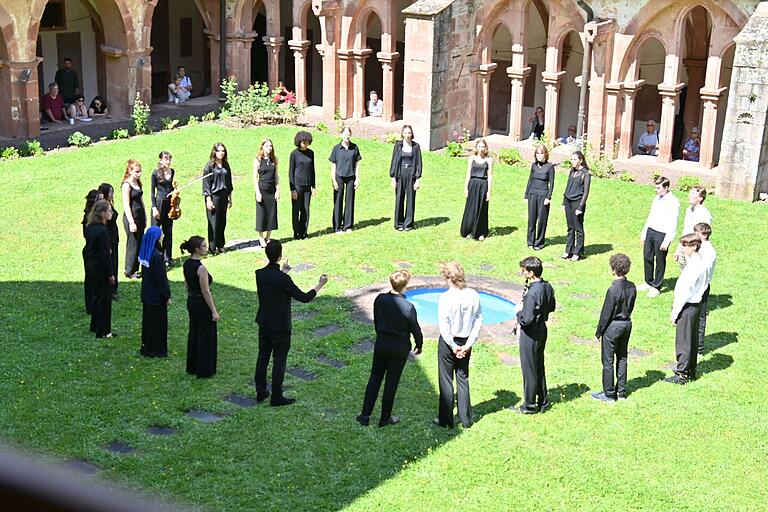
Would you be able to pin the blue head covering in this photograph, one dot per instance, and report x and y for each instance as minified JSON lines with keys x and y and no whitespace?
{"x":148,"y":243}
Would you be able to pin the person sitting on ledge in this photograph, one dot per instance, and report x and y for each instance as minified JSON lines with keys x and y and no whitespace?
{"x":692,"y":148}
{"x":375,"y":105}
{"x":649,"y":140}
{"x":53,"y":105}
{"x":77,"y":109}
{"x":570,"y":138}
{"x":177,"y":93}
{"x":98,"y":107}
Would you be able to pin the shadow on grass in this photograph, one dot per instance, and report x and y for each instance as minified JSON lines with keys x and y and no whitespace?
{"x":556,"y":240}
{"x":595,"y":249}
{"x":358,"y":225}
{"x":713,"y":364}
{"x":719,"y":340}
{"x":504,"y":398}
{"x":432,"y":221}
{"x":650,"y":378}
{"x":720,"y":301}
{"x":568,"y":392}
{"x":501,"y":231}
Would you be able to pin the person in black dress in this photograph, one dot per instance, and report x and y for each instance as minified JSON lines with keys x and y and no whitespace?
{"x":100,"y":270}
{"x":537,"y":123}
{"x":155,"y":295}
{"x":477,"y":189}
{"x":90,"y":199}
{"x":217,"y":190}
{"x":395,"y":321}
{"x":345,"y":179}
{"x":301,"y":180}
{"x":405,"y":171}
{"x":275,"y":289}
{"x":267,"y":185}
{"x":134,"y":217}
{"x":575,"y":203}
{"x":162,"y":186}
{"x":532,"y":314}
{"x":108,"y":191}
{"x":202,"y":337}
{"x":538,"y":193}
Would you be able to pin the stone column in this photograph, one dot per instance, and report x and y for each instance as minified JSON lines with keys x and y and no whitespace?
{"x":711,"y":100}
{"x":346,"y":82}
{"x":239,"y":57}
{"x":669,"y":96}
{"x":484,"y":73}
{"x":518,"y":77}
{"x":697,"y":70}
{"x":299,"y":49}
{"x":359,"y":55}
{"x":552,"y":101}
{"x":388,"y":60}
{"x":213,"y":48}
{"x":121,"y":69}
{"x":630,"y":90}
{"x":600,"y":34}
{"x":273,"y":45}
{"x":612,"y":117}
{"x":20,"y":81}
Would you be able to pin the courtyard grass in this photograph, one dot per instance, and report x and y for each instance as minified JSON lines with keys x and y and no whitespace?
{"x":67,"y":395}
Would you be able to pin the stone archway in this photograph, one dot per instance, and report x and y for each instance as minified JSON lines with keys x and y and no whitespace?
{"x":10,"y":117}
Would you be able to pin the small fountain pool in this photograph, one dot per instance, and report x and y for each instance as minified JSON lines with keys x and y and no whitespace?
{"x":495,"y":309}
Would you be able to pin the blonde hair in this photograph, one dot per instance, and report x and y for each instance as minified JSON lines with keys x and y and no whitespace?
{"x":454,"y":273}
{"x":399,"y":280}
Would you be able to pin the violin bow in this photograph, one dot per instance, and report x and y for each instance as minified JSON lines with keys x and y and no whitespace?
{"x":188,"y":184}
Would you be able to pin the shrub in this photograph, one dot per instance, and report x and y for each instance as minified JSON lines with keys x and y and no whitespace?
{"x":210,"y":116}
{"x":454,"y":149}
{"x":256,"y":105}
{"x":140,"y":116}
{"x":168,"y":123}
{"x":9,"y":153}
{"x":686,"y":183}
{"x":79,"y":139}
{"x":545,"y":141}
{"x":322,"y":127}
{"x":192,"y":121}
{"x":655,"y":175}
{"x":338,"y":119}
{"x":510,"y":156}
{"x":31,"y":148}
{"x":627,"y":176}
{"x":391,"y":138}
{"x":120,"y":133}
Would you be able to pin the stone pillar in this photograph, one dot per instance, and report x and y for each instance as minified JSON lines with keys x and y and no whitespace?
{"x":551,"y":101}
{"x":484,"y":73}
{"x":669,"y":97}
{"x":601,"y":36}
{"x":612,"y":117}
{"x":213,"y":48}
{"x":518,"y":77}
{"x":239,"y":57}
{"x":626,"y":138}
{"x":711,"y":99}
{"x":121,"y":69}
{"x":346,"y":82}
{"x":299,"y":49}
{"x":388,"y":60}
{"x":273,"y":45}
{"x":359,"y":56}
{"x":697,"y":70}
{"x":20,"y":83}
{"x":420,"y":71}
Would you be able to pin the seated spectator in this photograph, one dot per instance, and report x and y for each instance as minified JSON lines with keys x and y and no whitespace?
{"x":649,"y":140}
{"x":177,"y":93}
{"x":570,"y":138}
{"x":375,"y":105}
{"x":692,"y":148}
{"x":186,"y":82}
{"x":98,"y":107}
{"x":53,"y":105}
{"x":537,"y":123}
{"x":77,"y":109}
{"x":283,"y":95}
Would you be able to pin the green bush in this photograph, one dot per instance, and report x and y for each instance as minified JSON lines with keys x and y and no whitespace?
{"x":79,"y":139}
{"x":9,"y":153}
{"x":210,"y":116}
{"x":510,"y":156}
{"x":322,"y":127}
{"x":391,"y":138}
{"x":600,"y":166}
{"x":454,"y":149}
{"x":31,"y":148}
{"x":140,"y":116}
{"x":120,"y":133}
{"x":192,"y":121}
{"x":686,"y":183}
{"x":627,"y":176}
{"x":655,"y":175}
{"x":255,"y":105}
{"x":168,"y":123}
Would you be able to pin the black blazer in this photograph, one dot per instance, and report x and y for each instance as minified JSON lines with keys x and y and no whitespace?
{"x":98,"y":251}
{"x":397,"y":154}
{"x":276,"y":289}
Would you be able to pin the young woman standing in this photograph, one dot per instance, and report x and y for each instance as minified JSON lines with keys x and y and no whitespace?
{"x":162,"y":186}
{"x":405,"y":171}
{"x":108,"y":192}
{"x":477,"y":189}
{"x":301,"y":180}
{"x":267,"y":185}
{"x":575,"y":203}
{"x":100,"y":270}
{"x":217,"y":190}
{"x":134,"y":217}
{"x":538,"y":193}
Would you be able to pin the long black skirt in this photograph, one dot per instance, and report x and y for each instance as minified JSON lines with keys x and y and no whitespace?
{"x":266,"y":210}
{"x":154,"y":330}
{"x":201,"y":341}
{"x":101,"y":305}
{"x":475,"y":220}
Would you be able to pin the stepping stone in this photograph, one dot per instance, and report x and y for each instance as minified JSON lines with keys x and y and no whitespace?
{"x":302,"y":267}
{"x":305,"y":315}
{"x":412,"y":357}
{"x":118,"y":447}
{"x":205,"y":416}
{"x":405,"y":265}
{"x":327,"y":330}
{"x":672,"y":366}
{"x":301,"y":373}
{"x":329,"y":412}
{"x":583,"y":341}
{"x":367,"y":269}
{"x":242,"y":401}
{"x":364,"y":347}
{"x":246,"y":245}
{"x":487,"y":267}
{"x":157,"y":430}
{"x":330,"y":362}
{"x":582,"y":296}
{"x":508,"y":359}
{"x":83,"y":466}
{"x":547,"y":264}
{"x":636,"y":352}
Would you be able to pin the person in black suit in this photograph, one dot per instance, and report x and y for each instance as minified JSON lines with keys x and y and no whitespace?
{"x":100,"y":271}
{"x":345,"y":179}
{"x":276,"y":289}
{"x":301,"y":180}
{"x":538,"y":194}
{"x":405,"y":171}
{"x":395,"y":321}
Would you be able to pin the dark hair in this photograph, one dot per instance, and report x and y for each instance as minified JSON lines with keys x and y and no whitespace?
{"x":701,"y":191}
{"x":691,"y":240}
{"x":300,"y":137}
{"x":532,"y":264}
{"x":163,"y":154}
{"x":703,"y":229}
{"x":273,"y":250}
{"x":90,"y":199}
{"x":80,"y":97}
{"x":582,"y":159}
{"x":99,"y":207}
{"x":67,"y":59}
{"x":181,"y":67}
{"x":663,"y":181}
{"x":213,"y":154}
{"x":403,"y":130}
{"x":106,"y":189}
{"x":93,"y":102}
{"x":191,"y":245}
{"x":620,"y":264}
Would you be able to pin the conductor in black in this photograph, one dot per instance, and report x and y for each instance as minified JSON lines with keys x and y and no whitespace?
{"x":275,"y":290}
{"x":538,"y":303}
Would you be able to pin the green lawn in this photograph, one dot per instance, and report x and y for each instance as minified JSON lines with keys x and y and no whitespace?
{"x":698,"y":447}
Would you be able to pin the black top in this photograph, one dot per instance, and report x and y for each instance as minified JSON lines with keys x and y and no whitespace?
{"x":275,"y":289}
{"x":97,"y":250}
{"x":618,"y":305}
{"x":538,"y":303}
{"x":67,"y":81}
{"x":137,"y":205}
{"x":345,"y":159}
{"x":267,"y":173}
{"x":100,"y":109}
{"x":191,"y":279}
{"x":161,"y":188}
{"x":577,"y":188}
{"x":541,"y":182}
{"x":395,"y":320}
{"x":220,"y":184}
{"x":478,"y":170}
{"x":84,"y":223}
{"x":154,"y":281}
{"x":400,"y":159}
{"x":301,"y":169}
{"x":114,"y":232}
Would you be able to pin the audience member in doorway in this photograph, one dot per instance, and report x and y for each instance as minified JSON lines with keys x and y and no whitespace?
{"x":69,"y":83}
{"x":692,"y":147}
{"x":570,"y":138}
{"x":537,"y":123}
{"x":98,"y":107}
{"x":53,"y":105}
{"x":77,"y":109}
{"x":375,"y":105}
{"x":177,"y":93}
{"x":186,"y":82}
{"x":649,"y":140}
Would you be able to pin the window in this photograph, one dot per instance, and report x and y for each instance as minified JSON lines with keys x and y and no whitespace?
{"x":54,"y":16}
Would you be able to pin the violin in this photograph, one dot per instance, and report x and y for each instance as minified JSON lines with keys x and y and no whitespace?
{"x":175,"y":211}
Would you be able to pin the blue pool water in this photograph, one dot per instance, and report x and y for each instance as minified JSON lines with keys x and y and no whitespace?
{"x":495,"y":309}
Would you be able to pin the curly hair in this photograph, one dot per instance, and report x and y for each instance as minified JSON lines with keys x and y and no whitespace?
{"x":300,"y":137}
{"x":454,"y":273}
{"x":620,"y":264}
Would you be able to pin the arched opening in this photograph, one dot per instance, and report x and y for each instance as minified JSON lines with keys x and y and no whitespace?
{"x":178,"y":39}
{"x":536,"y":53}
{"x":400,"y":64}
{"x":373,"y":74}
{"x":725,"y":81}
{"x":571,"y":57}
{"x":650,"y":62}
{"x":259,"y":59}
{"x":286,"y":60}
{"x":314,"y":60}
{"x":500,"y":87}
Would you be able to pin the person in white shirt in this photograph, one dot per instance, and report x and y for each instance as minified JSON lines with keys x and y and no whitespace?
{"x":709,"y":256}
{"x":375,"y":105}
{"x":657,"y":234}
{"x":186,"y":82}
{"x":459,"y":319}
{"x":697,"y":213}
{"x":649,"y":140}
{"x":177,"y":93}
{"x":686,"y":310}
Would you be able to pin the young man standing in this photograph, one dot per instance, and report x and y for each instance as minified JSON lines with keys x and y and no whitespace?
{"x":709,"y":256}
{"x":657,"y":234}
{"x":69,"y":82}
{"x":695,"y":214}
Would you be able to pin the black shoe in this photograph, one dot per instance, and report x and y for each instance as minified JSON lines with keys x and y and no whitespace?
{"x":602,"y":397}
{"x":676,"y":379}
{"x":520,"y":410}
{"x":260,"y":397}
{"x":392,"y":420}
{"x":363,"y":420}
{"x":438,"y":423}
{"x":544,"y":408}
{"x":281,"y":400}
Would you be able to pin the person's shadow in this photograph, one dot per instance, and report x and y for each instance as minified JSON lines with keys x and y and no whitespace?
{"x":432,"y":221}
{"x":358,"y":225}
{"x":568,"y":392}
{"x":650,"y":378}
{"x":720,"y":301}
{"x":713,"y":364}
{"x":502,"y":231}
{"x":719,"y":340}
{"x":503,"y":400}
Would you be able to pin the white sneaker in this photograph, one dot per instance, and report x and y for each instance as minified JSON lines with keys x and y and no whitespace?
{"x":643,"y":287}
{"x":653,"y":292}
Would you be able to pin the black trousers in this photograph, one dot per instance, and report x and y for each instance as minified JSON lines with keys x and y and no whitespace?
{"x":574,"y":240}
{"x":154,"y":330}
{"x":448,"y":365}
{"x":202,"y":339}
{"x":538,"y":213}
{"x":703,"y":319}
{"x":654,"y":259}
{"x":615,"y":341}
{"x":217,"y":221}
{"x":687,"y":341}
{"x":113,"y":257}
{"x":300,"y":207}
{"x":166,"y":225}
{"x":388,"y":363}
{"x":87,"y":288}
{"x":275,"y":344}
{"x":344,"y":203}
{"x":533,"y":340}
{"x":101,"y":306}
{"x":405,"y":198}
{"x":132,"y":245}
